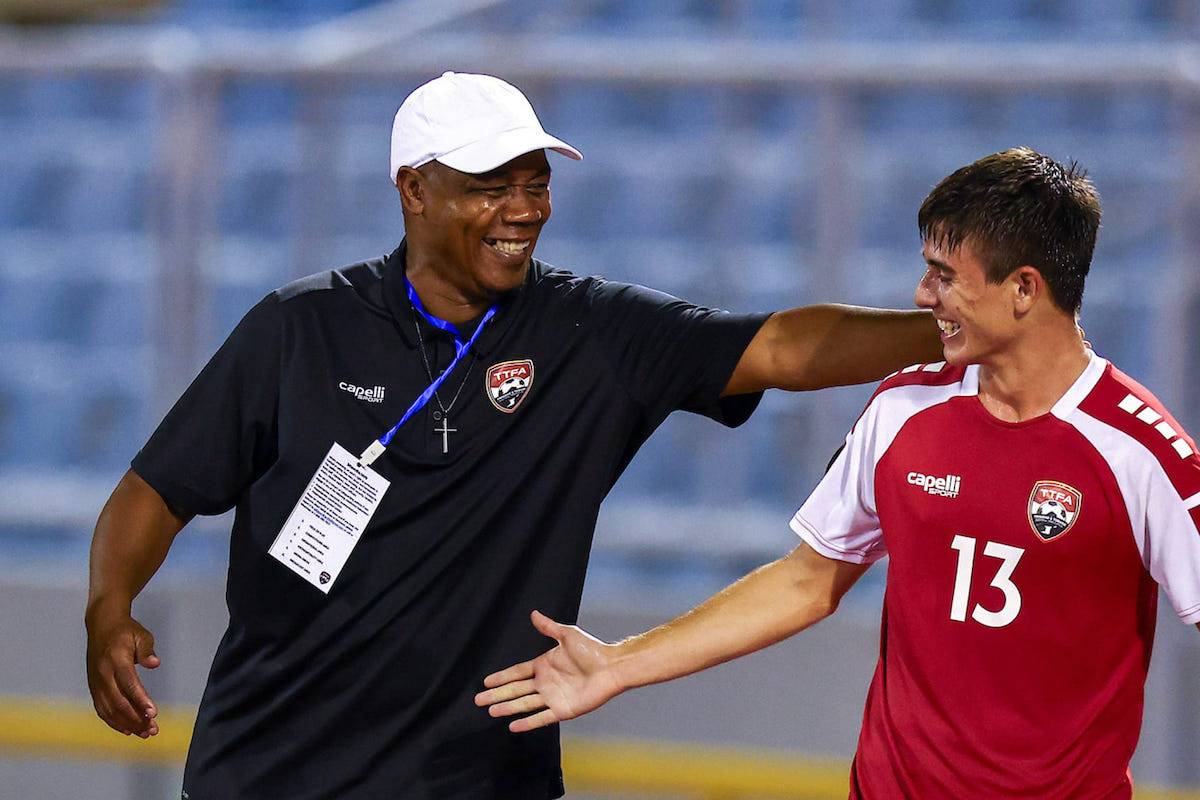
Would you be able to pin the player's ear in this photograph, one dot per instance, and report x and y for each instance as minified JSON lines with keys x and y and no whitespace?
{"x":1027,"y":285}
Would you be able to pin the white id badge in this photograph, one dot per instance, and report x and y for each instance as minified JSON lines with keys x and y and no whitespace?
{"x":332,"y":513}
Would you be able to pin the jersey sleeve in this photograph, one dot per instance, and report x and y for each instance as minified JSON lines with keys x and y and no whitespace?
{"x":1172,"y":551}
{"x":839,"y":519}
{"x":672,"y":354}
{"x":1157,"y":468}
{"x":222,"y":432}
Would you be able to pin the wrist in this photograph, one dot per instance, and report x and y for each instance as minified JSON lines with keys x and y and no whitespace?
{"x":104,"y":608}
{"x":624,"y":665}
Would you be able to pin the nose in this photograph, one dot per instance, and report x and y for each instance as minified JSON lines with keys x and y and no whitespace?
{"x":523,"y":206}
{"x":926,"y":296}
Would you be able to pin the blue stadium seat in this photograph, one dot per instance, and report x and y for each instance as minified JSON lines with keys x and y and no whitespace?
{"x":119,"y":315}
{"x":42,"y":203}
{"x":772,"y":19}
{"x":37,"y":418}
{"x":257,"y":202}
{"x":107,"y":428}
{"x":104,"y":199}
{"x":246,"y":101}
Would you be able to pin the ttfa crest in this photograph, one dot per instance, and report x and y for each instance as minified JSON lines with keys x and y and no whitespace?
{"x":508,"y":383}
{"x":1053,"y":508}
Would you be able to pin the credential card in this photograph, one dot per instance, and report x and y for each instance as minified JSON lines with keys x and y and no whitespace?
{"x":329,"y":518}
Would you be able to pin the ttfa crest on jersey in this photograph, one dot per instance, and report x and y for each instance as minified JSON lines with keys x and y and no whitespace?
{"x":1053,"y":508}
{"x":508,"y":383}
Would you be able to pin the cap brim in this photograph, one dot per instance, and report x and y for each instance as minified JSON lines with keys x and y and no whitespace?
{"x":496,"y":151}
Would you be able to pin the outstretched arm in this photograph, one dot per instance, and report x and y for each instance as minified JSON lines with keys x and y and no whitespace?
{"x":815,"y":347}
{"x":582,"y":672}
{"x":134,"y":533}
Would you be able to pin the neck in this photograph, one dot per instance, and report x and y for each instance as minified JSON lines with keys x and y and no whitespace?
{"x":1026,"y":382}
{"x":442,"y":300}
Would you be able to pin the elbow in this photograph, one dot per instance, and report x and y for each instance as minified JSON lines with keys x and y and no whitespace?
{"x":811,"y":608}
{"x":825,"y":607}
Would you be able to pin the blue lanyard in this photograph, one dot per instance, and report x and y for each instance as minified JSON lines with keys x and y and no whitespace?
{"x":460,"y":349}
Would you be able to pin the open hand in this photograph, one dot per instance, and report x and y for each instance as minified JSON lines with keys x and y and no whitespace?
{"x":563,"y":683}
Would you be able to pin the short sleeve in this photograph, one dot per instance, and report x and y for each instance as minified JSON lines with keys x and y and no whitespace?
{"x":222,"y":433}
{"x":672,"y":354}
{"x":839,"y":519}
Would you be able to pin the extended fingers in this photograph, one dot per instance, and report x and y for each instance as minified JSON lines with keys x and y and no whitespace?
{"x":519,"y":705}
{"x":539,"y":720}
{"x":505,"y":692}
{"x":517,"y":672}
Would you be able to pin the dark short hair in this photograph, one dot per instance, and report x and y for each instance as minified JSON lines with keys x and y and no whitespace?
{"x":1019,"y":208}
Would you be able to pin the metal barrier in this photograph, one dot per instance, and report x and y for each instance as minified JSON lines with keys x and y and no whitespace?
{"x":68,"y":730}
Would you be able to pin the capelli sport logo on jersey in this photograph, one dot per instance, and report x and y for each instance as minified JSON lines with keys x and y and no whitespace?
{"x":508,"y":383}
{"x":942,"y":487}
{"x":371,"y":395}
{"x":1053,"y":509}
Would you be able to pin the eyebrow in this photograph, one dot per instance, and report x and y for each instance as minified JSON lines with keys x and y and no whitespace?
{"x":939,"y":264}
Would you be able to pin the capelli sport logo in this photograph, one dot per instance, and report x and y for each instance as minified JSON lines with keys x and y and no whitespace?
{"x":948,"y":486}
{"x":372,"y":395}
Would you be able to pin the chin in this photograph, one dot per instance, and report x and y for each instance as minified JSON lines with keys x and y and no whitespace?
{"x":956,"y":357}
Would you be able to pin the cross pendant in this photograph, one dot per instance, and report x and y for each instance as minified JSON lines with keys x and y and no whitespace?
{"x":445,"y":431}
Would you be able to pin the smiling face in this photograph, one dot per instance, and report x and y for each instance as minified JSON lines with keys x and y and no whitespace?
{"x":977,"y":318}
{"x":471,"y":237}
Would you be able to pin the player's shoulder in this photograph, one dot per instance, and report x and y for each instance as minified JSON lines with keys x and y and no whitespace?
{"x":915,"y":389}
{"x":938,"y":374}
{"x":1119,"y":401}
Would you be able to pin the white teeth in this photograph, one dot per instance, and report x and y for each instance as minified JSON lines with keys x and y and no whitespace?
{"x":948,"y":328}
{"x":508,"y":248}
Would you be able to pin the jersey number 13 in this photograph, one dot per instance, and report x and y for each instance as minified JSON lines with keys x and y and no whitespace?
{"x":1008,"y":556}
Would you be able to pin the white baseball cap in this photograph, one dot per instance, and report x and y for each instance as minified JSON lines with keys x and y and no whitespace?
{"x":471,"y":123}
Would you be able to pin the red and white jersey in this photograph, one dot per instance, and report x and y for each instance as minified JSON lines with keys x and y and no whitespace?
{"x":1024,"y":566}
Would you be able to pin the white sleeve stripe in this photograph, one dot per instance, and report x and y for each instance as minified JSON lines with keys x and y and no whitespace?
{"x":1183,"y":448}
{"x":1130,"y":404}
{"x":1192,"y":501}
{"x":1148,"y":415}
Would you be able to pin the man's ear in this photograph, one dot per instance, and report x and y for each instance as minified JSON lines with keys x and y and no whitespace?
{"x":1028,"y":286}
{"x":411,"y":186}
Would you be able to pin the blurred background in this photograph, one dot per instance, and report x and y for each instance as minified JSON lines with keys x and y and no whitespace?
{"x":165,"y":163}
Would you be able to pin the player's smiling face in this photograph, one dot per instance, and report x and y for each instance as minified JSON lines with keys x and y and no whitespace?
{"x":975,"y":316}
{"x":484,"y":227}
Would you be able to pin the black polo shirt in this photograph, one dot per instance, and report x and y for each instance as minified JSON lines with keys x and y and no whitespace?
{"x":367,"y":693}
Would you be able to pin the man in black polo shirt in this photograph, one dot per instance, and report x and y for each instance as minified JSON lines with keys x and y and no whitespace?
{"x":417,"y":447}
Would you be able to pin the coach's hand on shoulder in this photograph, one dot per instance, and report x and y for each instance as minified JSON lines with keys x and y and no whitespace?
{"x":117,"y":645}
{"x":563,"y":683}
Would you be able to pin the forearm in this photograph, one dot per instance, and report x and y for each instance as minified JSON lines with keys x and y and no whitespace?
{"x":818,"y":346}
{"x":131,"y":540}
{"x":767,"y":606}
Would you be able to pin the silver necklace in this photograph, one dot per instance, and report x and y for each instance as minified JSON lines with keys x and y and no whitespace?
{"x":445,"y":430}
